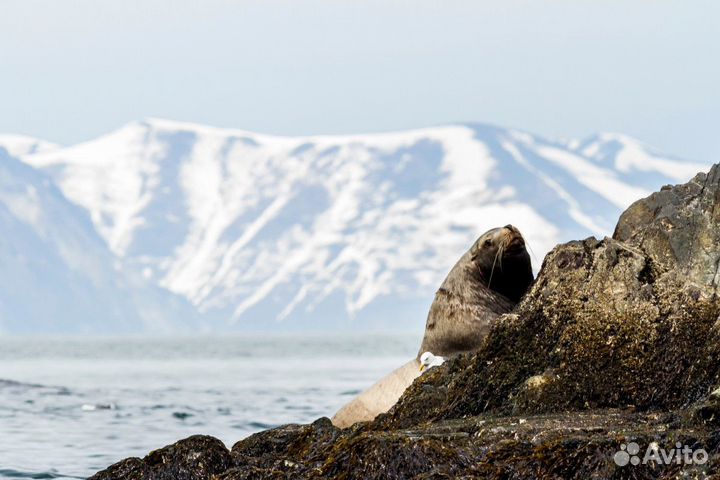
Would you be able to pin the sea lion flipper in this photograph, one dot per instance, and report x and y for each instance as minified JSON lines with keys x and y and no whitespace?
{"x":379,"y":398}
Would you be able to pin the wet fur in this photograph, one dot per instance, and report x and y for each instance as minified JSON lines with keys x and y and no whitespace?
{"x":486,"y":282}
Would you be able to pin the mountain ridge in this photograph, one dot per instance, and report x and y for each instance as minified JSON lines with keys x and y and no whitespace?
{"x":332,"y":231}
{"x":58,"y":275}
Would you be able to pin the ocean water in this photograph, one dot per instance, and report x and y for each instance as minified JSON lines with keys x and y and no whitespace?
{"x":72,"y":406}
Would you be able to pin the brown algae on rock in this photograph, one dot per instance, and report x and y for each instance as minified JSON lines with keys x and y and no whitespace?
{"x":616,"y":346}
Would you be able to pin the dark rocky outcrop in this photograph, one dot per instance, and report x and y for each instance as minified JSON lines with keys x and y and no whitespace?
{"x":617,"y":341}
{"x":195,"y":458}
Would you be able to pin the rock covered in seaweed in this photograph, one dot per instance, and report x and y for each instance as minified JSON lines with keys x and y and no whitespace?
{"x":632,"y":320}
{"x":195,"y":458}
{"x":618,"y":340}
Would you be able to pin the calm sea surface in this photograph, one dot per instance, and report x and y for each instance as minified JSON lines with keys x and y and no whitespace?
{"x":72,"y":406}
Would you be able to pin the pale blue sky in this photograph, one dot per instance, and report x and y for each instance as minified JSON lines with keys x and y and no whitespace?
{"x":72,"y":69}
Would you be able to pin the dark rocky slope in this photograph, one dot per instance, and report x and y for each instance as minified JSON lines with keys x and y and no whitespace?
{"x":618,"y":341}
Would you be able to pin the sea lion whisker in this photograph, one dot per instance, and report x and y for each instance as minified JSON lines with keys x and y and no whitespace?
{"x":492,"y":270}
{"x":531,"y":251}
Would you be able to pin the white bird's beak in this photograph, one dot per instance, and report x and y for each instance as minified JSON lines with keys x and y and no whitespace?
{"x":422,"y":367}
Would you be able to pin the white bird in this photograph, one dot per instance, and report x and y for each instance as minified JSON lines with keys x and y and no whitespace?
{"x":428,"y":360}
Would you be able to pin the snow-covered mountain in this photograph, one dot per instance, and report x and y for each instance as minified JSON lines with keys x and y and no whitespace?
{"x":637,"y":162}
{"x":20,"y":145}
{"x":58,"y":276}
{"x":342,"y":231}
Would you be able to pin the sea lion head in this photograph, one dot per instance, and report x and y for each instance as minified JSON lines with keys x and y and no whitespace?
{"x":501,"y":262}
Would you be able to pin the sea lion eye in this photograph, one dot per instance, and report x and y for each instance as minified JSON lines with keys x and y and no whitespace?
{"x":487,"y":243}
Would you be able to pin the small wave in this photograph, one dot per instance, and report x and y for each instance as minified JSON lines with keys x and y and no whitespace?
{"x":182,"y":415}
{"x":9,"y":473}
{"x":90,"y":407}
{"x":263,"y":426}
{"x":5,"y":383}
{"x":351,"y":392}
{"x":60,"y":391}
{"x":17,"y":386}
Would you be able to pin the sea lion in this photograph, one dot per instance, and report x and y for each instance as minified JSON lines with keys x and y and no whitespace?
{"x":487,"y":281}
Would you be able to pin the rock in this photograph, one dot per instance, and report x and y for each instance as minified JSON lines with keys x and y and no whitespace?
{"x":195,"y":458}
{"x":616,"y":343}
{"x":630,"y":320}
{"x":285,"y":449}
{"x":130,"y":469}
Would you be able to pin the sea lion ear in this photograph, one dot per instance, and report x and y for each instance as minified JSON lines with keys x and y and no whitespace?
{"x":480,"y":242}
{"x":477,"y":245}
